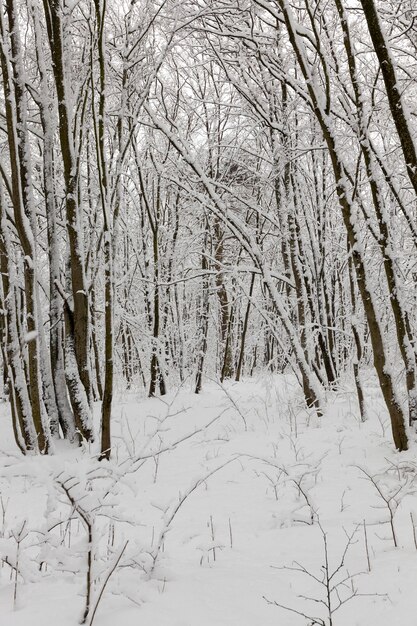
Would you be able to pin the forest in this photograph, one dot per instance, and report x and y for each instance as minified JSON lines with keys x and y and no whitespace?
{"x":208,"y":260}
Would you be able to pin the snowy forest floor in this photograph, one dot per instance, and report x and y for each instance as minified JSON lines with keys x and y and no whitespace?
{"x":258,"y":488}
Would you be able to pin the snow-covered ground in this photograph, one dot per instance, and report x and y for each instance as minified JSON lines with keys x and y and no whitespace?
{"x":214,"y":508}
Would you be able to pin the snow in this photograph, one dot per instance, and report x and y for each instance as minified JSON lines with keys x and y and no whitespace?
{"x":31,"y":336}
{"x":217,"y":523}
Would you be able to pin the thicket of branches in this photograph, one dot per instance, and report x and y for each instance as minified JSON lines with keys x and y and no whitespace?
{"x":208,"y":187}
